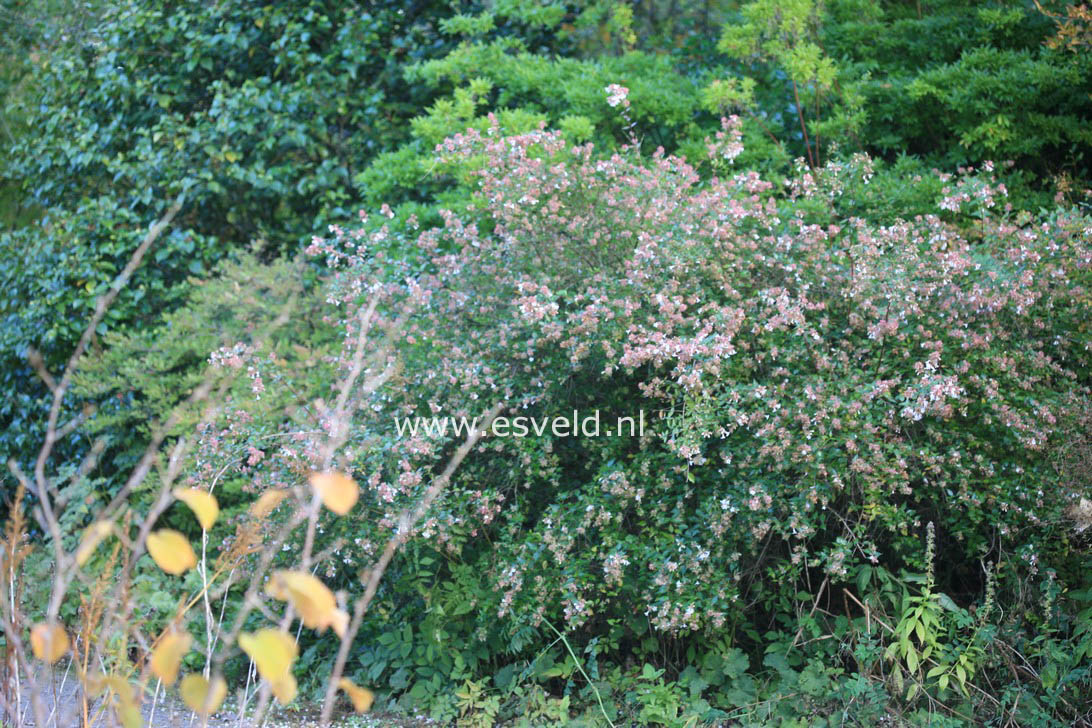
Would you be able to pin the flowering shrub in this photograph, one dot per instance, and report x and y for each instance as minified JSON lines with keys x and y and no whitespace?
{"x":823,"y":386}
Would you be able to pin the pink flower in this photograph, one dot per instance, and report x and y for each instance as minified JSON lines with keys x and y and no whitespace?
{"x":617,"y":95}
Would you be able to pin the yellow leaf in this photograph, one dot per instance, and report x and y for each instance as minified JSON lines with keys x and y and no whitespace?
{"x":168,"y":654}
{"x":125,"y":706}
{"x":267,"y":502}
{"x":284,"y":689}
{"x":201,"y":696}
{"x":129,"y":714}
{"x":338,"y":492}
{"x":339,"y":622}
{"x":171,"y":551}
{"x":92,"y":537}
{"x":362,"y":697}
{"x":273,"y":652}
{"x":203,"y":505}
{"x":99,"y":684}
{"x":48,"y":641}
{"x":310,"y":597}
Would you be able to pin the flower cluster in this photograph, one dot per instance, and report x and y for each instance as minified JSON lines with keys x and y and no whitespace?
{"x":617,"y":95}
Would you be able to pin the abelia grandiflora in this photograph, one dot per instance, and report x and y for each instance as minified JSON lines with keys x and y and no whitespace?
{"x":821,"y":385}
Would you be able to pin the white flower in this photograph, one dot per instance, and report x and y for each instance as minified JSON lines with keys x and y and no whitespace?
{"x":616,"y":94}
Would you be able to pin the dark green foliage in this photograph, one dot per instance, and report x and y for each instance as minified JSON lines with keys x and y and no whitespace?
{"x":264,"y":111}
{"x":260,"y":115}
{"x":50,"y":281}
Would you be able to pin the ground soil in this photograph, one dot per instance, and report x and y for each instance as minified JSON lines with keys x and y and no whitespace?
{"x":63,"y":705}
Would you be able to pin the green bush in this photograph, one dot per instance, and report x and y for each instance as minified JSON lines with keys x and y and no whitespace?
{"x":823,"y":395}
{"x":260,"y":115}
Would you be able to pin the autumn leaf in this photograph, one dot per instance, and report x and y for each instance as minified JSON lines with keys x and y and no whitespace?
{"x":48,"y":641}
{"x":362,"y":697}
{"x":171,"y":551}
{"x":203,"y":505}
{"x":125,"y":705}
{"x":273,"y":653}
{"x":284,"y":689}
{"x":339,"y":622}
{"x":99,"y":684}
{"x":311,"y":598}
{"x":200,"y":695}
{"x":92,"y":537}
{"x":338,"y":492}
{"x":168,"y":654}
{"x":129,"y":715}
{"x":272,"y":650}
{"x":267,"y":502}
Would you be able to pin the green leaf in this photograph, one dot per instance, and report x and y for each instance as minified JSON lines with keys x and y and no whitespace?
{"x":735,"y":663}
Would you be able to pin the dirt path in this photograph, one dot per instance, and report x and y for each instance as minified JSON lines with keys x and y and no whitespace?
{"x":63,"y":707}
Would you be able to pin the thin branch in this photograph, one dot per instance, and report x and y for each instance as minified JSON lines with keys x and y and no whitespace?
{"x":406,"y":523}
